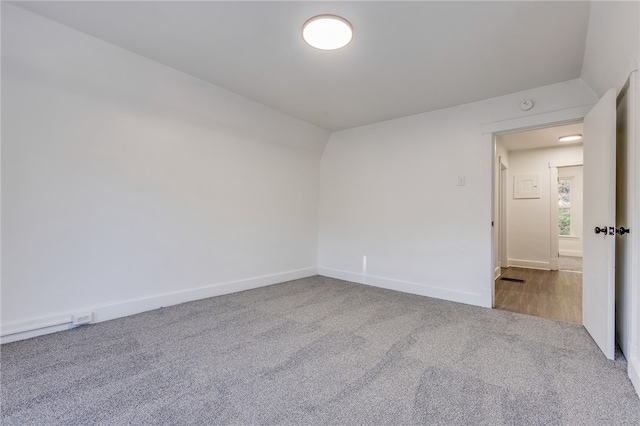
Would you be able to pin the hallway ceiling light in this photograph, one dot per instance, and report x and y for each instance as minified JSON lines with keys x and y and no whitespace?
{"x":327,"y":32}
{"x":570,"y":138}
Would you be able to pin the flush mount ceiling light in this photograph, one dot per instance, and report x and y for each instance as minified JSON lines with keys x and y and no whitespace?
{"x":570,"y":138}
{"x":327,"y":32}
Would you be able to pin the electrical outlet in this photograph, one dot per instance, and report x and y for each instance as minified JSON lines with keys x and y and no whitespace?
{"x":82,"y":319}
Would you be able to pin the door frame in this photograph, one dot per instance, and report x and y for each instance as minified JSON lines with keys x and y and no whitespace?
{"x":489,"y":132}
{"x":555,"y":238}
{"x":500,"y":220}
{"x":504,"y":259}
{"x":633,"y":183}
{"x":554,"y":250}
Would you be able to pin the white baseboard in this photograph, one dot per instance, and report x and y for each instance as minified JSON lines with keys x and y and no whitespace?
{"x":19,"y":330}
{"x":478,"y":299}
{"x":486,"y":297}
{"x":634,"y":374}
{"x":531,"y":264}
{"x":497,"y":272}
{"x":571,"y":253}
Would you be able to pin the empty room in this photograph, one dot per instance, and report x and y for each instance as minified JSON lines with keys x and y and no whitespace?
{"x":305,"y":212}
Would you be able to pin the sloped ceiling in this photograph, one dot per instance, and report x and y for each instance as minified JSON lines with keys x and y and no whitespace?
{"x":406,"y":57}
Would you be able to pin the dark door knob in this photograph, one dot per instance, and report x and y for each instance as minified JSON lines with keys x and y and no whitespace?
{"x":602,"y":230}
{"x":622,"y":230}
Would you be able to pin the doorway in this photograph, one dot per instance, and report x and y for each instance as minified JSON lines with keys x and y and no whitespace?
{"x":538,"y":187}
{"x":569,"y":210}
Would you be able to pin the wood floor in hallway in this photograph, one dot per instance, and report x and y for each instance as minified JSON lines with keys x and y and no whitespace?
{"x":549,"y":294}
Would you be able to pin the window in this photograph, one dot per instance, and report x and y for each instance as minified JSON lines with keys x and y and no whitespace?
{"x":564,"y":206}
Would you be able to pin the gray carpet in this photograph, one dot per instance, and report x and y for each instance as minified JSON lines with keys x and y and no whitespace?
{"x":566,"y":263}
{"x":317,"y":351}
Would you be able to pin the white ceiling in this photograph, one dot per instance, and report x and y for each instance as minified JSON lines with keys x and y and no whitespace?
{"x":406,"y":57}
{"x":539,"y":138}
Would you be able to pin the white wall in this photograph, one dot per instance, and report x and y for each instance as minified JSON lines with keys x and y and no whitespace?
{"x":529,"y":230}
{"x":389,"y":191}
{"x":572,"y":245}
{"x":127,"y":185}
{"x":613,"y":44}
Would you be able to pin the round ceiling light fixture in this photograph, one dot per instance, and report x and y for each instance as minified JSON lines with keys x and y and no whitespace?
{"x":570,"y":138}
{"x":327,"y":32}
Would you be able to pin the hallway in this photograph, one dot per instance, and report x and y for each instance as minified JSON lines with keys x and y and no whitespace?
{"x":549,"y":294}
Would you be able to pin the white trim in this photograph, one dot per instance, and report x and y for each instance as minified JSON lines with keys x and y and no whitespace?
{"x":537,"y":121}
{"x":553,"y":215}
{"x":35,"y":324}
{"x":633,"y":368}
{"x":19,"y":330}
{"x":547,"y":119}
{"x":437,"y":292}
{"x":554,"y":246}
{"x":497,"y":272}
{"x":492,"y":248}
{"x":564,"y":164}
{"x":634,"y":188}
{"x":531,"y":264}
{"x":571,"y":253}
{"x":504,"y":249}
{"x":486,"y":295}
{"x":28,"y":334}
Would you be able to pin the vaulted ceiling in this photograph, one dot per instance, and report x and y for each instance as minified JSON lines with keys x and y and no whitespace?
{"x":406,"y":57}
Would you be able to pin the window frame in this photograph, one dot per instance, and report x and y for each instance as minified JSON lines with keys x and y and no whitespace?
{"x":572,"y":235}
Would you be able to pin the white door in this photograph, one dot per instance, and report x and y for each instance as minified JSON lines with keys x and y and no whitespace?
{"x":625,"y":215}
{"x":598,"y":283}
